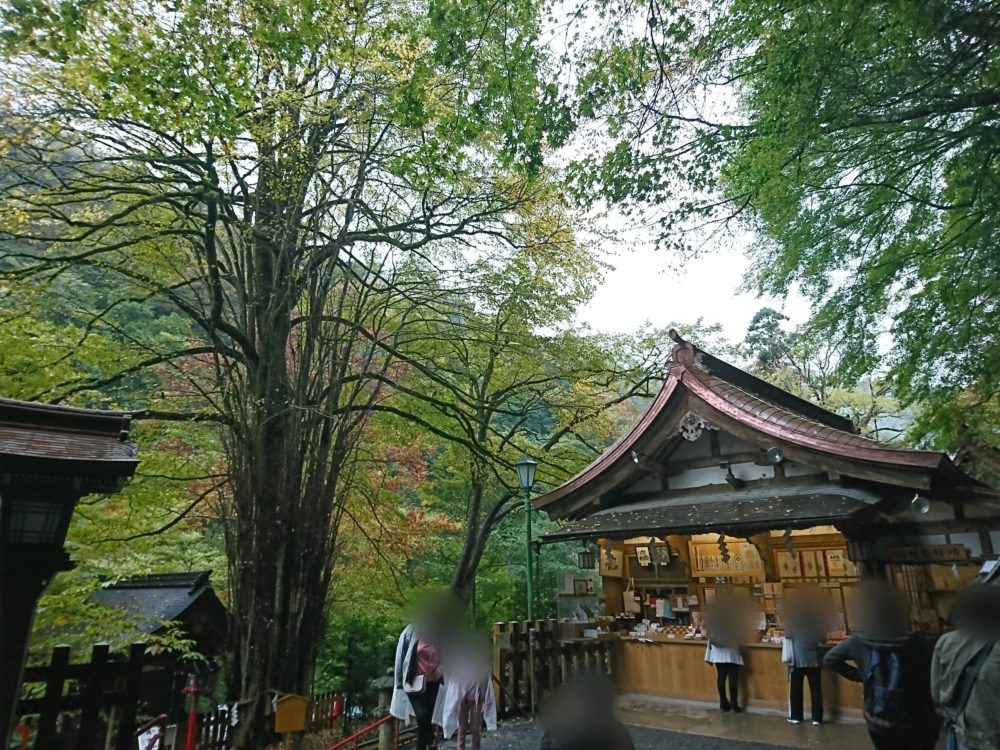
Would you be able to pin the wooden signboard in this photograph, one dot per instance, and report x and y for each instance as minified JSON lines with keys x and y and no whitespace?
{"x":290,"y":714}
{"x":707,"y":562}
{"x":933,"y":553}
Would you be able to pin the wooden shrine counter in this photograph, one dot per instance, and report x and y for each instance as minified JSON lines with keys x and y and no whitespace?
{"x":677,"y":669}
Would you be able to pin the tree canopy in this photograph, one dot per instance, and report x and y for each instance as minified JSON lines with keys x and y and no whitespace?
{"x":329,"y":254}
{"x":856,"y":139}
{"x":295,"y":183}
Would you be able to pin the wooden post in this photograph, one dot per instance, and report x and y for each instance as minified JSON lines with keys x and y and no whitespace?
{"x":530,"y":682}
{"x":499,"y":666}
{"x":552,"y":660}
{"x":93,"y":695}
{"x":130,"y":700}
{"x":564,"y":666}
{"x":518,"y":663}
{"x":52,"y":701}
{"x":386,"y":732}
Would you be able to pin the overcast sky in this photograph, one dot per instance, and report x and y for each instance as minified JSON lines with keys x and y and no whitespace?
{"x":646,"y":285}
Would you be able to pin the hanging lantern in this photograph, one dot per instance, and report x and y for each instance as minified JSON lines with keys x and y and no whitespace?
{"x":585,"y":558}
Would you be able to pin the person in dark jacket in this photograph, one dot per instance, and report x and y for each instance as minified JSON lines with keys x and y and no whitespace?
{"x":965,"y":673}
{"x":893,"y":665}
{"x":580,"y":716}
{"x":805,"y":629}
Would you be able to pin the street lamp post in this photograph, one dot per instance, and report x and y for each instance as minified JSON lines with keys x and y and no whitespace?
{"x":526,"y":477}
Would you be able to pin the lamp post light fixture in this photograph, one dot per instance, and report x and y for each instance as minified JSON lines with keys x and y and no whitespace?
{"x":526,"y":478}
{"x":34,"y":524}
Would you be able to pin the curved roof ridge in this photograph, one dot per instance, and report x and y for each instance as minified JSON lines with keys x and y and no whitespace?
{"x":617,"y":449}
{"x":783,"y":423}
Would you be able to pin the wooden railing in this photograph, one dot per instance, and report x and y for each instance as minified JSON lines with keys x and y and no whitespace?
{"x":213,"y":730}
{"x":531,"y":660}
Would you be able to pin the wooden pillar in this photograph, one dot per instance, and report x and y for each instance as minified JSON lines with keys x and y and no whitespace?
{"x":21,"y":583}
{"x":501,"y":647}
{"x":764,"y":544}
{"x":133,"y":680}
{"x":52,"y":700}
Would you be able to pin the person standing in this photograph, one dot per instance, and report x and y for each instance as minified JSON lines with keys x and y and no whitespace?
{"x":417,"y":671}
{"x":469,"y":700}
{"x":580,"y":716}
{"x":724,"y":625}
{"x":965,"y":670}
{"x":805,"y":631}
{"x":893,"y":665}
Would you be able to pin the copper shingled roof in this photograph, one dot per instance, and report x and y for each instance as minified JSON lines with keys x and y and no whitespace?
{"x":777,"y":422}
{"x":780,"y":418}
{"x":617,"y":451}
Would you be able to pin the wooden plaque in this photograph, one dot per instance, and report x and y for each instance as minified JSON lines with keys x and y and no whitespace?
{"x":290,"y":714}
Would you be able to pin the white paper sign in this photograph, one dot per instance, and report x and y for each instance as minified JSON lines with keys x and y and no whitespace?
{"x":148,"y":740}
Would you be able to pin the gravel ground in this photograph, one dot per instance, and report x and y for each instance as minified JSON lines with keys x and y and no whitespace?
{"x":521,"y":735}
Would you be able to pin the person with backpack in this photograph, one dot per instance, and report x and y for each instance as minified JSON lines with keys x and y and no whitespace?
{"x":893,"y":665}
{"x":965,"y":671}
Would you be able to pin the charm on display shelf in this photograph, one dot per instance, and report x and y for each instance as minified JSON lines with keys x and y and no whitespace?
{"x":643,"y":556}
{"x":612,"y":562}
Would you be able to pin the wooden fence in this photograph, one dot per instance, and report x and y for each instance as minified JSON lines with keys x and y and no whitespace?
{"x":101,"y":700}
{"x":533,"y":659}
{"x":323,"y":712}
{"x":213,"y":730}
{"x":103,"y":694}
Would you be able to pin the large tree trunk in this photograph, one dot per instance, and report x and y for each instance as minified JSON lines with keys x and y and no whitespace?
{"x":280,"y":535}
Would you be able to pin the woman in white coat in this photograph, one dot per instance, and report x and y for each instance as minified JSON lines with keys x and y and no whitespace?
{"x":469,"y":701}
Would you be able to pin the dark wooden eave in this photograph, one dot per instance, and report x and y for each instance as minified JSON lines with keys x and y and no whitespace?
{"x":726,"y":511}
{"x":86,"y":448}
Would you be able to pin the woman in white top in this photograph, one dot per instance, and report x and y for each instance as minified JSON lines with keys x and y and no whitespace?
{"x":724,"y":622}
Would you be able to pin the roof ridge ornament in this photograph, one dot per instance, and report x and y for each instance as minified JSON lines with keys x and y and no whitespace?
{"x":684,"y":353}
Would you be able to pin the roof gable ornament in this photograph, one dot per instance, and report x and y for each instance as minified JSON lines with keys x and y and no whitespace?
{"x":684,"y":352}
{"x":692,"y":426}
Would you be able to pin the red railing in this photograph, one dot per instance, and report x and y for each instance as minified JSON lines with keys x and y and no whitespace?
{"x":354,"y":739}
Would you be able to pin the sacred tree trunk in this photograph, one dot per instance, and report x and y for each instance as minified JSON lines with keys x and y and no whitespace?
{"x":284,"y":469}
